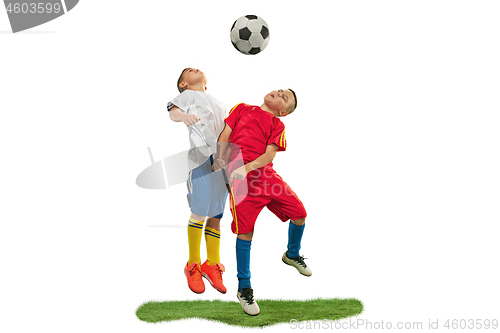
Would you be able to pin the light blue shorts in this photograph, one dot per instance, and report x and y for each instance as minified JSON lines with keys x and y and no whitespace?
{"x":207,"y":191}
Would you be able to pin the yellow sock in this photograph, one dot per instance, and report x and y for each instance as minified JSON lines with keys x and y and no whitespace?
{"x":195,"y":229}
{"x":212,"y":238}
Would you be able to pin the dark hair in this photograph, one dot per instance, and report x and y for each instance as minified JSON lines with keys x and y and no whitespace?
{"x":295,"y":99}
{"x":180,"y":80}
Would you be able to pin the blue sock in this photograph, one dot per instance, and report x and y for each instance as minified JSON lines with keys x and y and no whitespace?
{"x":243,"y":263}
{"x":294,"y":236}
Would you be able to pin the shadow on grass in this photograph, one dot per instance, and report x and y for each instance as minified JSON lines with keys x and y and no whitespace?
{"x":271,"y":311}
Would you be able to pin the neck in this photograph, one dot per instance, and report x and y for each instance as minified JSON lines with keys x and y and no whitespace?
{"x":198,"y":87}
{"x":265,"y":108}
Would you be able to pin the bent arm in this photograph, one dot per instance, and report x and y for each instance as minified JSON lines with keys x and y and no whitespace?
{"x":222,"y":143}
{"x":176,"y":114}
{"x":263,"y":159}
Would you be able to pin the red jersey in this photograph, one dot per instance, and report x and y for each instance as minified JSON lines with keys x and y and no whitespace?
{"x":253,"y":130}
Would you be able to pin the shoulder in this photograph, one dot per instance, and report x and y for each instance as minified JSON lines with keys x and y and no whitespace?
{"x":240,"y":107}
{"x":182,"y":101}
{"x":278,"y":124}
{"x":186,"y":94}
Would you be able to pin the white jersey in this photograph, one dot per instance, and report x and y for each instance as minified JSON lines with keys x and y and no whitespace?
{"x":203,"y":135}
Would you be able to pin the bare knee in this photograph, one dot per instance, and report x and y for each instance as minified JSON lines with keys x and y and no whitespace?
{"x":198,"y":217}
{"x":247,"y":236}
{"x":213,"y":223}
{"x":299,"y":221}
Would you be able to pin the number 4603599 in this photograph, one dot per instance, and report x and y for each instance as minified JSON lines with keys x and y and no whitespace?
{"x":471,"y":323}
{"x":33,"y":8}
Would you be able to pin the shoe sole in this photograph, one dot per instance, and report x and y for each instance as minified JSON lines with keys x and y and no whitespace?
{"x":294,"y":267}
{"x":201,"y":292}
{"x":251,"y":314}
{"x":205,"y":275}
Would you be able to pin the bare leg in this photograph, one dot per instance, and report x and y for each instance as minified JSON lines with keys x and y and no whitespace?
{"x":213,"y":223}
{"x":299,"y":222}
{"x":248,"y":236}
{"x":198,"y":217}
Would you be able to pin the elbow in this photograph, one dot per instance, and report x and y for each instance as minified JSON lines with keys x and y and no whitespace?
{"x":270,"y":156}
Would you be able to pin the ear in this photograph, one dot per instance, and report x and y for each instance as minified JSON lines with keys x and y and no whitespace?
{"x":282,"y":113}
{"x":183,"y":85}
{"x":205,"y":87}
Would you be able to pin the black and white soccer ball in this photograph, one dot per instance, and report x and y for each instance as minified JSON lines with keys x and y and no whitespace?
{"x":250,"y":34}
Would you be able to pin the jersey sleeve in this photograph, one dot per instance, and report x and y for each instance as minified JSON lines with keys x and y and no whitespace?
{"x":234,"y":115}
{"x":278,"y":136}
{"x":182,"y":101}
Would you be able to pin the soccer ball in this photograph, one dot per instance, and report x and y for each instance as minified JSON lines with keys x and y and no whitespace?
{"x":250,"y":34}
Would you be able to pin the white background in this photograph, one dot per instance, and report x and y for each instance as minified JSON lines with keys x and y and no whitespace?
{"x":394,"y":150}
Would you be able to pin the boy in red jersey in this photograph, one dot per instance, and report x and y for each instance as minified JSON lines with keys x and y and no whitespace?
{"x":256,"y":134}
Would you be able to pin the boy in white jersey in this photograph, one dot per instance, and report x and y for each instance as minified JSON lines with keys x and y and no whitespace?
{"x":204,"y":115}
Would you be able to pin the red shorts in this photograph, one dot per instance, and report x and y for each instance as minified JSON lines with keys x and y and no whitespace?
{"x":262,"y":187}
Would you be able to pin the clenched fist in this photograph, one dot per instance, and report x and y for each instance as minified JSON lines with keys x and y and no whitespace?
{"x":190,"y":119}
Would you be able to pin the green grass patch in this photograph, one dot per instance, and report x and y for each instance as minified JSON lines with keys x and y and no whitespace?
{"x":271,"y":311}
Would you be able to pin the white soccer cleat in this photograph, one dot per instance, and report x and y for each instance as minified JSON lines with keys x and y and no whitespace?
{"x":297,"y":262}
{"x":247,"y":302}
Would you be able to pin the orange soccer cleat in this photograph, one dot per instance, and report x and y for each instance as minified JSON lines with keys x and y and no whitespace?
{"x":213,"y":273}
{"x":193,"y":275}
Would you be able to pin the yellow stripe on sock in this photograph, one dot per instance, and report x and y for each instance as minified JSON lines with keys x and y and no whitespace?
{"x":194,"y":221}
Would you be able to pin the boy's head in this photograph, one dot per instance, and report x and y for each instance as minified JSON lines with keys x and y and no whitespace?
{"x":190,"y":77}
{"x":281,"y":102}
